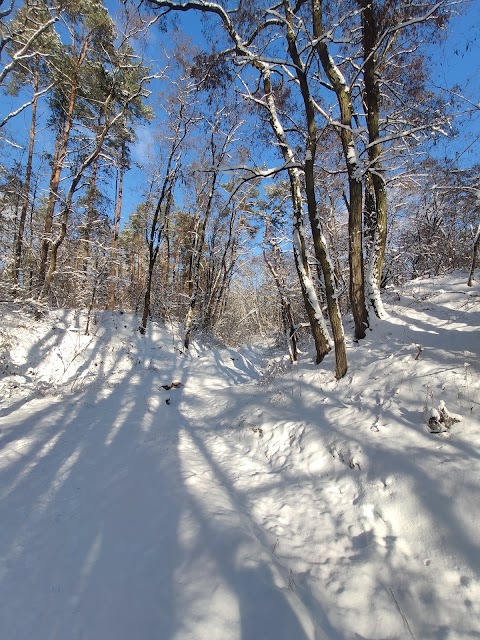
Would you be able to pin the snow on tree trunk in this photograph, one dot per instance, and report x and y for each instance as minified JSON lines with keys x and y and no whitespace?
{"x":476,"y":243}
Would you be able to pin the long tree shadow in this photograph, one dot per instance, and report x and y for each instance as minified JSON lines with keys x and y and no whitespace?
{"x":239,"y":552}
{"x":442,"y":517}
{"x":92,"y":497}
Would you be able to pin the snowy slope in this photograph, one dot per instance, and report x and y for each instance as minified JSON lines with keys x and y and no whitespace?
{"x":255,"y":500}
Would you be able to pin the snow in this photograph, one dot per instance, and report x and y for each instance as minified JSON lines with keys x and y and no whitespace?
{"x":353,"y":161}
{"x":265,"y":501}
{"x":373,"y":290}
{"x":310,"y":289}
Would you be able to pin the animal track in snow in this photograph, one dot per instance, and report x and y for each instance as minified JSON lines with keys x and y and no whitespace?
{"x":370,"y":535}
{"x":279,"y":451}
{"x":352,"y":457}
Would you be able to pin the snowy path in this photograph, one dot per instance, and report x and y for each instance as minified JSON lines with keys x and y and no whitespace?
{"x":245,"y":508}
{"x":118,"y":522}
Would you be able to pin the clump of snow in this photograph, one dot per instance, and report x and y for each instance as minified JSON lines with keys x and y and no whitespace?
{"x":441,"y":420}
{"x":261,"y":501}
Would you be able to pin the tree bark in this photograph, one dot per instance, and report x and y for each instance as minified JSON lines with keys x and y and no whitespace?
{"x":28,"y":179}
{"x":375,"y":170}
{"x":287,"y":313}
{"x":90,"y":221}
{"x":319,"y":242}
{"x":355,"y":204}
{"x":476,"y":244}
{"x":312,"y":307}
{"x":59,"y":158}
{"x":156,"y":233}
{"x":115,"y":230}
{"x":194,"y":281}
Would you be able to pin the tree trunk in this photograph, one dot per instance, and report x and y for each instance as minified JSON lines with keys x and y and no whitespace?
{"x":372,"y":102}
{"x":355,"y":204}
{"x":476,"y":244}
{"x":59,"y":158}
{"x":156,"y":234}
{"x":318,"y":327}
{"x":115,"y":231}
{"x":194,"y":285}
{"x":26,"y":186}
{"x":287,"y":313}
{"x":318,"y":238}
{"x":219,"y":284}
{"x":61,"y":147}
{"x":147,"y":298}
{"x":90,"y":221}
{"x":89,"y":160}
{"x":312,"y":307}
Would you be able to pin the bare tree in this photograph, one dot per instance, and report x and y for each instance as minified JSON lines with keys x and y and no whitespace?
{"x":272,"y":254}
{"x":221,"y":136}
{"x":246,"y":52}
{"x":181,"y":118}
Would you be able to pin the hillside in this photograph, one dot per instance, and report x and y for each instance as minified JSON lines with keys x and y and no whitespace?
{"x":252,"y":500}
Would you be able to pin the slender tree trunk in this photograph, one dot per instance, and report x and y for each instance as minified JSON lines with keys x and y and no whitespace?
{"x":287,"y":313}
{"x":28,"y":179}
{"x":91,"y":215}
{"x":217,"y":158}
{"x":196,"y":265}
{"x":369,"y":214}
{"x":89,"y":160}
{"x":476,"y":244}
{"x":116,"y":230}
{"x":148,"y":289}
{"x":156,"y":234}
{"x":314,"y":313}
{"x":372,"y":102}
{"x":317,"y":321}
{"x":59,"y":159}
{"x":218,"y":286}
{"x":55,"y":247}
{"x":355,"y":204}
{"x":318,"y":239}
{"x":164,"y":203}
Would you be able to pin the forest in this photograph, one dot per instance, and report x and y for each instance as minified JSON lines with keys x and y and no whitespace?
{"x":240,"y":325}
{"x":245,"y":169}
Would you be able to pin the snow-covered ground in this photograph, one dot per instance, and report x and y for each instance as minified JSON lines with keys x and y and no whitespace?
{"x":253,"y":501}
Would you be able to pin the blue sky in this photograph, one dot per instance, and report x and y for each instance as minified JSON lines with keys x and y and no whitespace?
{"x":454,"y":61}
{"x":457,"y":62}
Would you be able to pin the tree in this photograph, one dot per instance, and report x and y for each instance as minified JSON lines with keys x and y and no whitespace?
{"x":181,"y":117}
{"x":272,"y":254}
{"x":246,"y":52}
{"x":232,"y":230}
{"x":355,"y":201}
{"x":101,"y":90}
{"x":221,"y":134}
{"x":23,"y":38}
{"x":90,"y":31}
{"x":475,"y":246}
